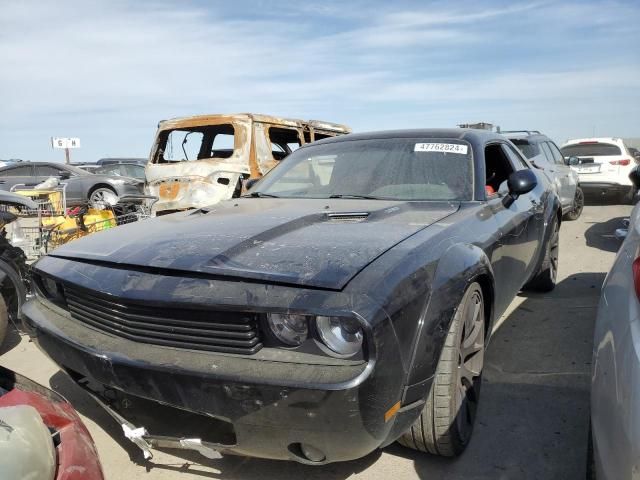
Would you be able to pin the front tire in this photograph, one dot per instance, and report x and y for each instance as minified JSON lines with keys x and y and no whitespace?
{"x":446,"y":422}
{"x":102,"y":198}
{"x":578,"y":205}
{"x":629,"y":197}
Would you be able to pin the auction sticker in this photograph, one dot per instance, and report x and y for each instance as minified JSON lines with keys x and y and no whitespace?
{"x":441,"y":147}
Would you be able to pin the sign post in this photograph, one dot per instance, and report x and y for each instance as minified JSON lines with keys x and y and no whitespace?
{"x":66,"y":143}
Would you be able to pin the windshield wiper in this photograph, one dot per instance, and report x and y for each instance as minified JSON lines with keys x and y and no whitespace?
{"x":366,"y":197}
{"x":259,"y":195}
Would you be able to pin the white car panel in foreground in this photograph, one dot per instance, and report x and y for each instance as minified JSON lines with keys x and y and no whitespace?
{"x":615,"y":389}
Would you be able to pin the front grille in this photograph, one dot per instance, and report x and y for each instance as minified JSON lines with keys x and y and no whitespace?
{"x":213,"y":331}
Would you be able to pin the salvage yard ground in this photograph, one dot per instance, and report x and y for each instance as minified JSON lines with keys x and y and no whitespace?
{"x":534,"y":414}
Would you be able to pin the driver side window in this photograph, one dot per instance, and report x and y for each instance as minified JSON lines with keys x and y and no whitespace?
{"x":497,"y":168}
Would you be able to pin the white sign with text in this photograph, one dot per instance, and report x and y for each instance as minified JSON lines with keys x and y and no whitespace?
{"x":65,"y":142}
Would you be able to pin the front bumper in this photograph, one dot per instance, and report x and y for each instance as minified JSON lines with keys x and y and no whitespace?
{"x":251,"y":407}
{"x":604,"y":188}
{"x":130,"y":189}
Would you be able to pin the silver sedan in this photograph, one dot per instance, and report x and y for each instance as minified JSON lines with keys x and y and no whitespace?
{"x":615,"y":389}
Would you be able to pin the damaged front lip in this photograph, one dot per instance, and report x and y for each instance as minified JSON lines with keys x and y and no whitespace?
{"x":146,"y":442}
{"x":263,"y":396}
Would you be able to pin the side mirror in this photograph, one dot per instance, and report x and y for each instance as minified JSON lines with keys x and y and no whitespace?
{"x":519,"y":183}
{"x":250,"y":182}
{"x":64,"y":175}
{"x":572,"y":161}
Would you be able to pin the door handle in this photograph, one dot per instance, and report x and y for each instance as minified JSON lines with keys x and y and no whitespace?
{"x":2,"y":182}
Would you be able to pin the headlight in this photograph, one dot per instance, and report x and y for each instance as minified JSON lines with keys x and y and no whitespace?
{"x":342,"y":335}
{"x":290,"y":329}
{"x":49,"y":289}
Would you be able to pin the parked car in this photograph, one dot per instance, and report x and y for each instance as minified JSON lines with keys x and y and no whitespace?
{"x":544,"y":154}
{"x":114,"y":160}
{"x":198,"y":161}
{"x":41,"y":435}
{"x":81,"y":186}
{"x":615,"y":387}
{"x":603,"y":166}
{"x":132,"y":170}
{"x":315,"y":319}
{"x":87,"y":167}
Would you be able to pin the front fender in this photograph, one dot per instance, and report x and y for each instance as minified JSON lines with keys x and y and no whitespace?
{"x":460,"y":265}
{"x":553,"y":210}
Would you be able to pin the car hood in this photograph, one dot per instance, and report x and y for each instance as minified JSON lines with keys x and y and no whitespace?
{"x":314,"y":243}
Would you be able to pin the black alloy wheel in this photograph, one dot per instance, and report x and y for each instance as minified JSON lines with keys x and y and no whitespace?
{"x":446,"y":422}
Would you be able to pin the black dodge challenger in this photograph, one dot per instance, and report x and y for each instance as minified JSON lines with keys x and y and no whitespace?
{"x":345,"y":303}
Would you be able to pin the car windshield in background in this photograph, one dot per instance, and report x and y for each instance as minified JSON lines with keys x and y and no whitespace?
{"x":390,"y":169}
{"x":530,"y":150}
{"x":75,"y":170}
{"x":594,"y":149}
{"x":197,"y":143}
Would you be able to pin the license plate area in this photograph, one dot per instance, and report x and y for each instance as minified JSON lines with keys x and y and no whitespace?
{"x":592,"y":168}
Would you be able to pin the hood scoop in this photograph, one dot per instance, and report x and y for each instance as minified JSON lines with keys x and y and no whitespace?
{"x":349,"y":217}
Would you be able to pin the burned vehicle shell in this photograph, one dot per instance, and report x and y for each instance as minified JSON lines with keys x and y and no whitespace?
{"x":14,"y":283}
{"x":314,"y":319}
{"x":201,"y":160}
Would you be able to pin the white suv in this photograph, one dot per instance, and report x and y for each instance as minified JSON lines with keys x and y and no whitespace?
{"x":603,"y":166}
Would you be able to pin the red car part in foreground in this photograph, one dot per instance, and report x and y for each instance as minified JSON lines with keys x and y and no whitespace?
{"x":71,"y":454}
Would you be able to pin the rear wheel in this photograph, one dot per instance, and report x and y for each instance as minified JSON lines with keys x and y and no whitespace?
{"x":578,"y":205}
{"x":629,"y":197}
{"x":446,"y":422}
{"x":545,"y":279}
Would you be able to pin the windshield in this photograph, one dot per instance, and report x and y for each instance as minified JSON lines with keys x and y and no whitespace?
{"x":390,"y":169}
{"x":591,"y":149}
{"x":196,"y":143}
{"x":75,"y":170}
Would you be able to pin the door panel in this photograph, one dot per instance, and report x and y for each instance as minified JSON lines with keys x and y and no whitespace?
{"x":567,"y":180}
{"x":21,"y":175}
{"x":519,"y":227}
{"x":514,"y":255}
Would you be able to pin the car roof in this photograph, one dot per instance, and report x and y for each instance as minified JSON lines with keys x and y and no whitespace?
{"x":474,"y":136}
{"x":35,"y":164}
{"x":257,"y":117}
{"x":530,"y":135}
{"x":615,"y":140}
{"x":116,"y":161}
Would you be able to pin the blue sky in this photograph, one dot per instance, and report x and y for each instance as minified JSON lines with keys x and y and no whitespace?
{"x":108,"y":71}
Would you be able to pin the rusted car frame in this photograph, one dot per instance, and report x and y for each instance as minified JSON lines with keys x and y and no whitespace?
{"x":200,"y":160}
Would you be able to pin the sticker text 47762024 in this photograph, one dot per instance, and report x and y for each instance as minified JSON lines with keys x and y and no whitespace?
{"x":441,"y":147}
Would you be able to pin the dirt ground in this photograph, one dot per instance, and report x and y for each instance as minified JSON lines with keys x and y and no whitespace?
{"x":534,"y":412}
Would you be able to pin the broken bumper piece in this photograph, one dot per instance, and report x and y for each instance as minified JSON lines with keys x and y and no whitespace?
{"x":143,"y":439}
{"x":209,"y":402}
